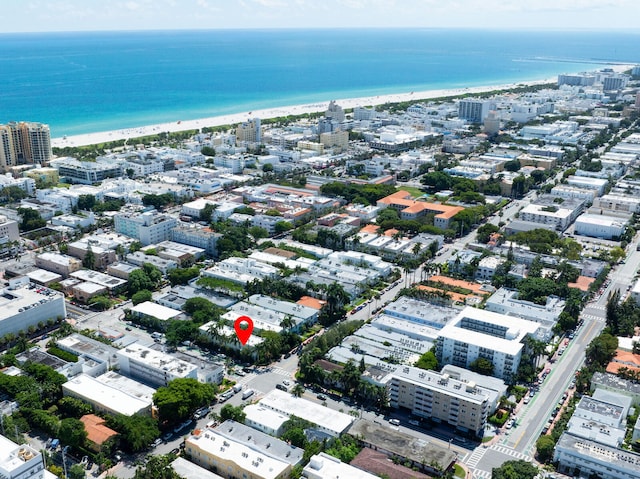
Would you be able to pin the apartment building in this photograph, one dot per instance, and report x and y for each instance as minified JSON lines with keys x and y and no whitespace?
{"x":234,"y":450}
{"x":477,"y":333}
{"x":26,"y":305}
{"x":249,"y":132}
{"x":153,"y":367}
{"x":439,"y":397}
{"x":24,"y":143}
{"x":197,"y":236}
{"x":58,"y":263}
{"x":19,"y":462}
{"x":149,"y":228}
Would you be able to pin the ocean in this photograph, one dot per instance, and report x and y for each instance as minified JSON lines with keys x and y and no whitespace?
{"x":88,"y":82}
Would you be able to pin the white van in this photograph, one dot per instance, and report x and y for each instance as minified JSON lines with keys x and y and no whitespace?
{"x":247,"y":393}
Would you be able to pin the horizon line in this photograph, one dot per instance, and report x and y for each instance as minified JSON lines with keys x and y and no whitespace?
{"x":320,"y":28}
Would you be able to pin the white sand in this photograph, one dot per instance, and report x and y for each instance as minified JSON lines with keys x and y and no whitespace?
{"x":106,"y":136}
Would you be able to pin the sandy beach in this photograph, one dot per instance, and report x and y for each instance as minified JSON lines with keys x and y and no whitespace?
{"x":182,"y":125}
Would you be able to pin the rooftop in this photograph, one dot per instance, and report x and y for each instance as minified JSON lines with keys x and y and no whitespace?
{"x":290,"y":405}
{"x":111,"y":397}
{"x":401,"y":444}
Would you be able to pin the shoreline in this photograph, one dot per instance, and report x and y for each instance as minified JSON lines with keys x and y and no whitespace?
{"x":235,"y":118}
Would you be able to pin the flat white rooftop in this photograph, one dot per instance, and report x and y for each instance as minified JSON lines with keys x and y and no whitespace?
{"x":110,"y":397}
{"x":327,"y":419}
{"x":149,"y":308}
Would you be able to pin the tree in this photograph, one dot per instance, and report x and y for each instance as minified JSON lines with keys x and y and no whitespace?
{"x":73,"y":432}
{"x":86,"y":202}
{"x":100,"y":303}
{"x":13,"y":193}
{"x":157,"y":467}
{"x":282,"y":227}
{"x":208,"y":151}
{"x":141,"y":296}
{"x":427,"y":361}
{"x":544,"y":447}
{"x":76,"y":472}
{"x":181,"y":397}
{"x":232,"y":412}
{"x":182,"y":275}
{"x":206,"y":213}
{"x":89,"y":260}
{"x":31,"y":219}
{"x":298,"y":390}
{"x":267,"y":167}
{"x":515,"y":470}
{"x":137,"y":432}
{"x":337,"y":298}
{"x":482,"y":366}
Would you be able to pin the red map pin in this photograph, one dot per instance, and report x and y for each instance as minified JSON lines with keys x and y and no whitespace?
{"x":244,"y":328}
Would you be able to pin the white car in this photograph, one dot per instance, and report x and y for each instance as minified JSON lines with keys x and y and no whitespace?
{"x":394,"y":422}
{"x":286,"y":382}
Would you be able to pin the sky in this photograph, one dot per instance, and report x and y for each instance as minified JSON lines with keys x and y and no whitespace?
{"x":96,"y":15}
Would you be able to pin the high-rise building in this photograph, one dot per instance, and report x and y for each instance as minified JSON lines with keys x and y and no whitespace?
{"x":249,"y":132}
{"x":334,"y":112}
{"x":24,"y":143}
{"x":475,"y":110}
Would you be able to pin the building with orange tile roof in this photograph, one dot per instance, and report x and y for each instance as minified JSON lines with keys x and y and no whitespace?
{"x":311,"y":302}
{"x":624,"y":359}
{"x":97,"y":432}
{"x":410,"y":209}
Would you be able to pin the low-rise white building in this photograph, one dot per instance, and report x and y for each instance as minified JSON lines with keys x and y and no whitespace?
{"x":235,"y":450}
{"x":116,"y":395}
{"x":148,"y":228}
{"x":20,"y":462}
{"x":153,"y":367}
{"x":240,"y":270}
{"x":599,"y":226}
{"x":327,"y":420}
{"x":27,"y":305}
{"x":575,"y":455}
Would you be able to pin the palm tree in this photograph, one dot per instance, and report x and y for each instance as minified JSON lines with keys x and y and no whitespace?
{"x":287,"y":322}
{"x":298,"y":390}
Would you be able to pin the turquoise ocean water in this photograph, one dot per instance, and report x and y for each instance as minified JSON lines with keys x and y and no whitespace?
{"x":87,"y":82}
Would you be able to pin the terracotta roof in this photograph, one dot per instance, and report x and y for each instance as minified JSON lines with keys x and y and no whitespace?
{"x":391,"y":232}
{"x":97,"y":432}
{"x":373,"y":229}
{"x":311,"y":302}
{"x":624,"y":359}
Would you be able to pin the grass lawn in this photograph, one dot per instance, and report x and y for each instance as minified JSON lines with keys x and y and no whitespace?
{"x":458,"y":471}
{"x":415,"y":192}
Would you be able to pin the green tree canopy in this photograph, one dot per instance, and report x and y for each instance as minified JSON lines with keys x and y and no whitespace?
{"x":181,"y":397}
{"x":182,"y":275}
{"x":482,"y":366}
{"x":73,"y":433}
{"x":141,"y":296}
{"x":137,"y":432}
{"x":427,"y":361}
{"x":544,"y":447}
{"x":234,"y":413}
{"x":515,"y":470}
{"x":31,"y":219}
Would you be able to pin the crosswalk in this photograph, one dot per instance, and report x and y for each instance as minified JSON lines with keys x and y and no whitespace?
{"x":511,"y":452}
{"x":592,"y":317}
{"x":476,"y":457}
{"x":281,"y":372}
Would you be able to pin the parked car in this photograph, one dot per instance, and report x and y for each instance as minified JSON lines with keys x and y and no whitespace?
{"x":394,"y":422}
{"x":322,"y":397}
